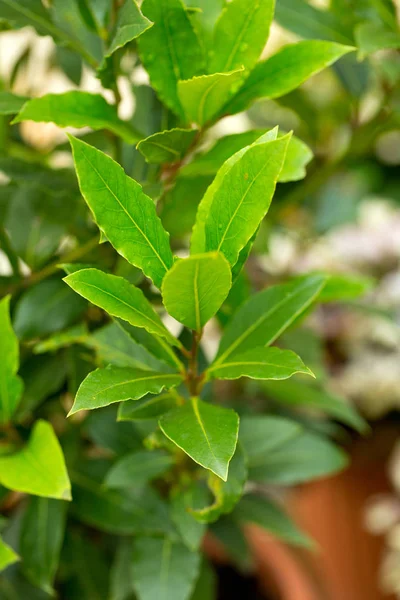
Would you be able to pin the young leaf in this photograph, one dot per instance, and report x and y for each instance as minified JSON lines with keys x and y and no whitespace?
{"x":285,"y":71}
{"x":266,"y":514}
{"x":115,"y":384}
{"x":10,"y":103}
{"x":38,"y":468}
{"x":297,"y":157}
{"x":122,"y":211}
{"x":41,"y":540}
{"x":163,"y":568}
{"x":207,"y":433}
{"x":7,"y":555}
{"x":120,"y":512}
{"x":11,"y":386}
{"x":260,"y":363}
{"x":239,"y":198}
{"x":297,"y":393}
{"x":167,"y":146}
{"x":266,"y":315}
{"x":138,"y":468}
{"x":240,"y":34}
{"x":131,"y":24}
{"x":203,"y":97}
{"x":195,"y":288}
{"x":183,"y":502}
{"x":227,"y":493}
{"x":119,"y":298}
{"x":77,"y":109}
{"x":170,"y":50}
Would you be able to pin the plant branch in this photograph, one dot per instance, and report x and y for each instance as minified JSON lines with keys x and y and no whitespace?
{"x":9,"y":251}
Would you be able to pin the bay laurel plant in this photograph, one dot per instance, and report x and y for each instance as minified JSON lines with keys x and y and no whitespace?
{"x":163,"y":441}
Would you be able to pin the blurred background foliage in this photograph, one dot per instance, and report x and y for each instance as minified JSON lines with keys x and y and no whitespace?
{"x":342,"y":218}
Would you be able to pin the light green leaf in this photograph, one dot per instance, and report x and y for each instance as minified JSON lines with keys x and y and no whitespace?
{"x":38,"y":468}
{"x":371,"y":37}
{"x":77,"y":109}
{"x":120,"y":512}
{"x":41,"y":540}
{"x":239,"y":198}
{"x":195,"y":288}
{"x":11,"y":386}
{"x":131,"y":24}
{"x":138,"y":468}
{"x":297,"y":157}
{"x":307,"y":21}
{"x":262,"y":319}
{"x":119,"y":298}
{"x":207,"y":433}
{"x":203,"y":97}
{"x":116,"y":384}
{"x":113,"y":345}
{"x":266,"y":514}
{"x":149,"y":407}
{"x":7,"y":556}
{"x":226,"y":493}
{"x":240,"y":34}
{"x":285,"y":71}
{"x":345,"y":286}
{"x":260,"y":363}
{"x":167,"y":146}
{"x":296,"y":393}
{"x":10,"y":103}
{"x":183,"y":501}
{"x":170,"y":50}
{"x":163,"y":569}
{"x":122,"y":211}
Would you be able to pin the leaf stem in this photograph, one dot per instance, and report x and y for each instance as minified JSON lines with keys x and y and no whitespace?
{"x":192,"y":377}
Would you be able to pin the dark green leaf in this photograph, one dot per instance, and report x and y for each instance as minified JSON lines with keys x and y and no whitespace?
{"x":183,"y":502}
{"x":138,"y":468}
{"x":207,"y":433}
{"x":206,"y":585}
{"x":262,"y":434}
{"x":164,"y":569}
{"x":10,"y":103}
{"x":149,"y":407}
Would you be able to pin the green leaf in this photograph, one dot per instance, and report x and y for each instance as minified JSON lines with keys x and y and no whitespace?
{"x":266,"y":514}
{"x":309,"y":22}
{"x":38,"y":468}
{"x":207,"y":433}
{"x":262,"y":319}
{"x":11,"y":386}
{"x":131,"y":24}
{"x":167,"y":146}
{"x":296,"y":393}
{"x":45,"y":308}
{"x":122,"y":211}
{"x":371,"y":37}
{"x":227,"y":493}
{"x":77,"y":109}
{"x":7,"y":555}
{"x":260,"y":363}
{"x":74,"y":335}
{"x":119,"y":298}
{"x":195,"y":288}
{"x":261,"y":434}
{"x":163,"y":569}
{"x":304,"y":457}
{"x":149,"y":407}
{"x":121,"y":587}
{"x":206,"y":585}
{"x":183,"y":502}
{"x":103,"y":429}
{"x":10,"y":103}
{"x":120,"y":512}
{"x":285,"y":71}
{"x":115,"y":384}
{"x":113,"y":345}
{"x":231,"y":535}
{"x":138,"y":468}
{"x":344,"y":286}
{"x":239,"y":198}
{"x":297,"y":157}
{"x":41,"y":540}
{"x":170,"y":50}
{"x":203,"y":97}
{"x":240,"y":34}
